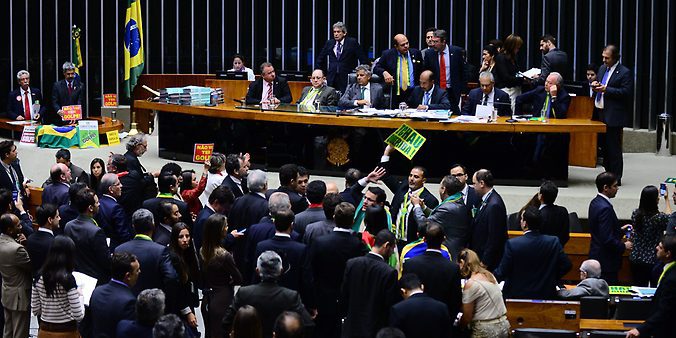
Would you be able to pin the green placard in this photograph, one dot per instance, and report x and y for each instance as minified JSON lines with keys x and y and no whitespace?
{"x":406,"y":140}
{"x":618,"y":290}
{"x":670,"y":180}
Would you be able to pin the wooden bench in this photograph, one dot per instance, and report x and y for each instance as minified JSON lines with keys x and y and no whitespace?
{"x":544,"y":314}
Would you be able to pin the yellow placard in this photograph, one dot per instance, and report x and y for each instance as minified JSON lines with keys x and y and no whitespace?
{"x":406,"y":140}
{"x":113,"y":137}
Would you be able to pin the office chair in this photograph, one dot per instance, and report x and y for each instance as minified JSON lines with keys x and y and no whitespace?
{"x":594,"y":307}
{"x":575,"y":224}
{"x":633,"y":309}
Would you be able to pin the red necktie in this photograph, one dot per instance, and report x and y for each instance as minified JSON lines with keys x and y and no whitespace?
{"x":442,"y":70}
{"x":269,"y":95}
{"x":26,"y":106}
{"x":70,"y":88}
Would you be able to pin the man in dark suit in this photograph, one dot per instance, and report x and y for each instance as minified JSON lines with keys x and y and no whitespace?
{"x":268,"y":88}
{"x":316,"y":190}
{"x":152,"y":257}
{"x":237,"y":168}
{"x":39,"y":243}
{"x":69,"y":212}
{"x":555,"y":221}
{"x":288,"y":184}
{"x":660,"y":321}
{"x":111,"y":214}
{"x":440,"y":276}
{"x":400,"y":67}
{"x":56,"y":192}
{"x":339,"y":57}
{"x":419,"y":315}
{"x":220,"y":202}
{"x":553,"y":60}
{"x":550,"y":100}
{"x":77,"y":174}
{"x":11,"y":178}
{"x":613,"y":102}
{"x":330,"y":205}
{"x":67,"y":92}
{"x":350,"y":194}
{"x":318,"y":91}
{"x":363,"y":93}
{"x":606,"y":233}
{"x":451,"y":214}
{"x":114,"y":301}
{"x":489,"y":229}
{"x":469,"y":197}
{"x":401,"y":208}
{"x":92,"y":256}
{"x":451,"y":76}
{"x":169,"y":215}
{"x":297,"y":275}
{"x":369,"y":289}
{"x":487,"y":95}
{"x":428,"y":96}
{"x":168,"y":186}
{"x":269,"y":299}
{"x":150,"y":306}
{"x":23,"y":101}
{"x":533,"y":263}
{"x":133,"y":186}
{"x":328,"y":256}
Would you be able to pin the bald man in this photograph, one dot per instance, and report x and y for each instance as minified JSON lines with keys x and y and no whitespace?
{"x":428,"y":96}
{"x":319,"y":91}
{"x":56,"y":192}
{"x":400,"y":67}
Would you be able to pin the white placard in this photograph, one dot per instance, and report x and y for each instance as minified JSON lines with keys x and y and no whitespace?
{"x":484,"y":112}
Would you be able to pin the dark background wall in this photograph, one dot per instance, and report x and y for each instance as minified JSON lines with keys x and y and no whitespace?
{"x":184,"y":36}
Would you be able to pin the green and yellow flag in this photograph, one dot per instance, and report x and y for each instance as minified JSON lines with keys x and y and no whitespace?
{"x":76,"y":58}
{"x":133,"y":46}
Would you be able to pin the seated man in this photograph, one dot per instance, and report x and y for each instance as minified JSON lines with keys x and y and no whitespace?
{"x":268,"y":88}
{"x":550,"y":99}
{"x":487,"y":95}
{"x":25,"y":103}
{"x":591,"y":285}
{"x":428,"y":96}
{"x":363,"y":93}
{"x":319,"y":91}
{"x":67,"y":92}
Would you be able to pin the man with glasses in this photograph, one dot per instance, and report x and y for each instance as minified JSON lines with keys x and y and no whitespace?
{"x":487,"y":95}
{"x":469,"y":196}
{"x":400,"y":67}
{"x":319,"y":92}
{"x":591,"y":284}
{"x":268,"y":88}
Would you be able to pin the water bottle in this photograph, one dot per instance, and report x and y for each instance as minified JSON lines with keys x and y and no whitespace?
{"x":403,"y":106}
{"x":317,"y":106}
{"x":113,"y":116}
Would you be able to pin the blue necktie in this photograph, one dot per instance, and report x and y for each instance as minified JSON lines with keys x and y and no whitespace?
{"x":599,"y":95}
{"x":426,"y":99}
{"x":339,"y":50}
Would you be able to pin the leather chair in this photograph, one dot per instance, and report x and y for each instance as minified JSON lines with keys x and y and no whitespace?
{"x":594,"y":307}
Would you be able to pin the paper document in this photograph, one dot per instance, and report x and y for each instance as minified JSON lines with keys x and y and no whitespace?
{"x":532,"y":73}
{"x":85,"y":283}
{"x":484,"y":112}
{"x":20,"y":123}
{"x":465,"y":119}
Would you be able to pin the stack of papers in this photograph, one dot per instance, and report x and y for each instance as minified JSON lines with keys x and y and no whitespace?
{"x":465,"y":119}
{"x":531,"y":73}
{"x":186,"y":96}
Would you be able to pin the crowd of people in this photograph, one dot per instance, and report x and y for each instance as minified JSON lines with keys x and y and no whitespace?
{"x":304,"y":259}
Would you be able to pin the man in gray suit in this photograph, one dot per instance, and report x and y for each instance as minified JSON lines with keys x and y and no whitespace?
{"x":319,"y":91}
{"x":553,"y":60}
{"x":363,"y":93}
{"x":15,"y":268}
{"x":451,"y":214}
{"x":591,"y":285}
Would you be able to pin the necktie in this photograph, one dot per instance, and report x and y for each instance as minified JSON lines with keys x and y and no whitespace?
{"x":310,"y":97}
{"x":14,"y":178}
{"x":363,"y":90}
{"x":426,"y":99}
{"x":339,"y":50}
{"x":269,"y":94}
{"x":485,"y":102}
{"x":547,"y":107}
{"x":70,"y":88}
{"x":442,"y":70}
{"x":404,"y":80}
{"x":599,"y":95}
{"x":26,"y":106}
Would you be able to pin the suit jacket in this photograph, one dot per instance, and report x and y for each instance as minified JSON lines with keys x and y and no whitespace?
{"x":307,"y":217}
{"x":555,"y":222}
{"x":439,"y":99}
{"x":112,"y":220}
{"x":38,"y":245}
{"x":388,"y":63}
{"x":67,"y":213}
{"x":489,"y":232}
{"x":247,"y":210}
{"x":440,"y":276}
{"x":326,"y":97}
{"x":280,"y":89}
{"x":162,"y":236}
{"x":198,"y":227}
{"x":473,"y":201}
{"x":61,"y":98}
{"x":337,"y":69}
{"x":606,"y":235}
{"x":56,"y":194}
{"x":457,"y":77}
{"x":153,"y":205}
{"x":156,"y":268}
{"x":369,"y":290}
{"x":618,"y":98}
{"x":133,"y":192}
{"x":8,"y":182}
{"x":532,"y":266}
{"x":78,"y":174}
{"x":297,"y":274}
{"x":92,"y":256}
{"x":500,"y":99}
{"x":15,"y":268}
{"x":270,"y":300}
{"x":537,"y":96}
{"x":660,"y":321}
{"x":110,"y":303}
{"x":455,"y":219}
{"x":298,"y":202}
{"x":133,"y":163}
{"x":587,"y":287}
{"x":421,"y":316}
{"x":15,"y":107}
{"x":133,"y":329}
{"x":353,"y":92}
{"x":228,"y":182}
{"x":555,"y":60}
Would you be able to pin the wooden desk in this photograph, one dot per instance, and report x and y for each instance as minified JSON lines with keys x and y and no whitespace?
{"x":608,"y":324}
{"x":545,"y":314}
{"x":237,"y":89}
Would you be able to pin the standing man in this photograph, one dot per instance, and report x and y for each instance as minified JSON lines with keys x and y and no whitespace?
{"x":11,"y":178}
{"x":67,"y":92}
{"x":339,"y":57}
{"x":606,"y":234}
{"x":22,"y":102}
{"x":469,"y":196}
{"x":400,"y":67}
{"x":419,"y":315}
{"x":111,"y":214}
{"x":555,"y":220}
{"x":78,"y":174}
{"x":56,"y":192}
{"x":613,"y":100}
{"x":429,"y":40}
{"x":318,"y":91}
{"x":237,"y":167}
{"x":268,"y":88}
{"x":428,"y":96}
{"x":39,"y":243}
{"x":490,"y":221}
{"x":553,"y":60}
{"x":447,"y":62}
{"x":15,"y":268}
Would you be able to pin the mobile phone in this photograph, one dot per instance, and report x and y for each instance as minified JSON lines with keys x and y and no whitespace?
{"x":241,"y":232}
{"x":15,"y":195}
{"x":663,"y":189}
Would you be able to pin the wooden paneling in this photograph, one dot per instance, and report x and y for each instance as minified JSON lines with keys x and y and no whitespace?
{"x":236,"y":89}
{"x":608,"y":324}
{"x":582,"y":146}
{"x":545,"y":314}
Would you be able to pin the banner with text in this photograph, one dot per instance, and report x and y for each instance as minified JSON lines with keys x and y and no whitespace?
{"x":72,"y":113}
{"x":110,"y":100}
{"x":202,"y":152}
{"x":28,"y":135}
{"x":89,"y":134}
{"x":406,"y":140}
{"x":113,"y":137}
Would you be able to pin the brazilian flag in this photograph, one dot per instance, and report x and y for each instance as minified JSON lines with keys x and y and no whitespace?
{"x":133,"y":46}
{"x":76,"y":58}
{"x":50,"y":136}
